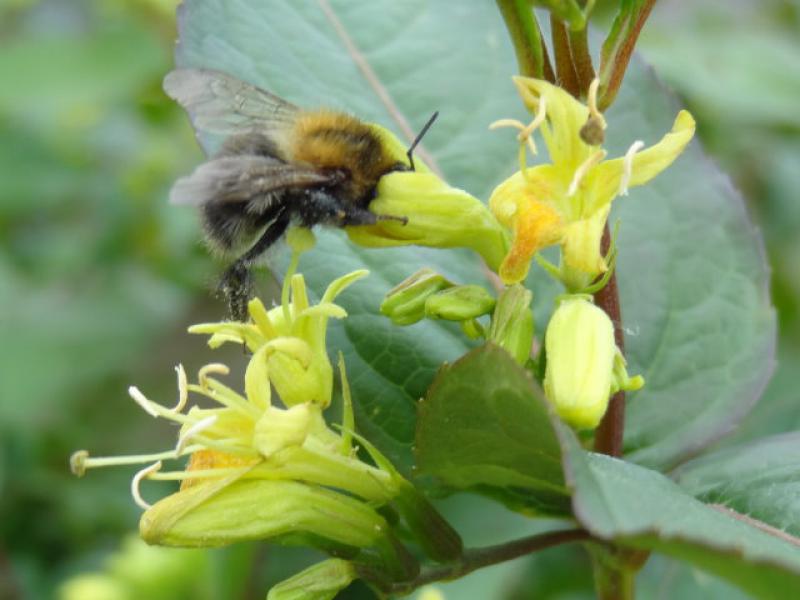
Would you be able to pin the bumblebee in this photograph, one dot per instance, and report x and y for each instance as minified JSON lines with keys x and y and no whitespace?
{"x":280,"y":164}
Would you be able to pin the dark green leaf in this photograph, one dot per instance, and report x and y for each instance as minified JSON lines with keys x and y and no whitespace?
{"x":637,"y":507}
{"x":761,"y":480}
{"x":485,"y":425}
{"x":693,"y":281}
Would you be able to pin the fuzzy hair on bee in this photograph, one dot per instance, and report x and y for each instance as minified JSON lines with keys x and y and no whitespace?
{"x":279,"y":165}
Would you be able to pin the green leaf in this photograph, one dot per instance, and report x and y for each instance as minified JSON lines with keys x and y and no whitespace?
{"x":694,"y":287}
{"x":485,"y":425}
{"x":691,"y":269}
{"x":761,"y":480}
{"x":634,"y":506}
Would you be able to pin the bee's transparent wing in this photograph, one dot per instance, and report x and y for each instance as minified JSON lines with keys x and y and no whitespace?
{"x":220,"y":104}
{"x":243,"y":179}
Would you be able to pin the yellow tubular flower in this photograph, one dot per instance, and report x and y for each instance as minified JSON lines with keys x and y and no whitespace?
{"x":428,"y":212}
{"x":567,"y":202}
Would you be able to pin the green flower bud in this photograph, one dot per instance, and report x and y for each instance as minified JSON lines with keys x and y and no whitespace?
{"x":234,"y":509}
{"x":319,"y":582}
{"x":512,"y":323}
{"x":580,"y":360}
{"x":459,"y":303}
{"x":405,"y":303}
{"x":277,"y":429}
{"x":433,"y":214}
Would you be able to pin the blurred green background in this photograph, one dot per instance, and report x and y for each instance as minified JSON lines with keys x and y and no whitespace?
{"x":99,"y":276}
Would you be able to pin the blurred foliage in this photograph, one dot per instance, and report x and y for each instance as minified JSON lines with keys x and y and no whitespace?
{"x":99,"y":276}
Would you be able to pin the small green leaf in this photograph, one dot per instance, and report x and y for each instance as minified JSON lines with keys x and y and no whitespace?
{"x":623,"y":502}
{"x":485,"y":425}
{"x":761,"y":480}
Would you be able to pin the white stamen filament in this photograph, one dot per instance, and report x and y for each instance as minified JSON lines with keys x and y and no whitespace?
{"x":88,"y":462}
{"x":183,"y":391}
{"x":201,"y":425}
{"x":582,"y":170}
{"x":136,"y":481}
{"x":525,"y":131}
{"x":154,"y":409}
{"x":211,"y":368}
{"x":592,"y":102}
{"x":627,"y":167}
{"x":142,"y":401}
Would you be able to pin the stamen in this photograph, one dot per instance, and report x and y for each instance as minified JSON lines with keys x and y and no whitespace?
{"x":211,"y":368}
{"x":201,"y":425}
{"x":627,"y":167}
{"x":592,"y":102}
{"x":525,"y":131}
{"x":137,"y":479}
{"x":141,"y":400}
{"x":81,"y":460}
{"x":581,"y":171}
{"x":154,"y":409}
{"x":77,"y":462}
{"x":183,"y":390}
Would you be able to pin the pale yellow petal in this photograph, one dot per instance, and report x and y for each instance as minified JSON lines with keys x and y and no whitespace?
{"x":581,"y":245}
{"x":645,"y":165}
{"x":565,"y":117}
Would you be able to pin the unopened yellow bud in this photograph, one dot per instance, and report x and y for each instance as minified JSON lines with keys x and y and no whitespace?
{"x":405,"y":303}
{"x":580,"y":361}
{"x":459,"y":303}
{"x":319,"y":582}
{"x":512,"y":323}
{"x":237,"y":509}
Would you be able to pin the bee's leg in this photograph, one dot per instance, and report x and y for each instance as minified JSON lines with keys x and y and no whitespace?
{"x":361,"y":216}
{"x":237,"y":281}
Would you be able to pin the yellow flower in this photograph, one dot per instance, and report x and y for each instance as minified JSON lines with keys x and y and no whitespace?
{"x":567,"y":201}
{"x":431,"y":212}
{"x":288,"y":341}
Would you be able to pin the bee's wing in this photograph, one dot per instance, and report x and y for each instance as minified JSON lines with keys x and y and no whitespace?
{"x":221,"y":104}
{"x":242,"y":179}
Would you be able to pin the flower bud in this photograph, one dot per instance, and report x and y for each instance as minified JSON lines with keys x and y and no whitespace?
{"x":318,"y":582}
{"x":512,"y":323}
{"x":404,"y":304}
{"x":580,"y":361}
{"x":459,"y":303}
{"x":235,"y":509}
{"x":435,"y":215}
{"x":277,"y":428}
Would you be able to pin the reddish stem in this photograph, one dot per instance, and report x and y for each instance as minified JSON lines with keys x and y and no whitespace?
{"x":608,"y":436}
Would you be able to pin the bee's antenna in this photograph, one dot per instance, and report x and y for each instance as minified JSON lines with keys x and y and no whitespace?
{"x":418,"y":139}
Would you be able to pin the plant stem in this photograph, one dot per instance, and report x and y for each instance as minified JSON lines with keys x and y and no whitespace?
{"x":582,"y":59}
{"x":566,"y":75}
{"x":526,"y":38}
{"x":477,"y":558}
{"x":618,"y":49}
{"x":608,"y":436}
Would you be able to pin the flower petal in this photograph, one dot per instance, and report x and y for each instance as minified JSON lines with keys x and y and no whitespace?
{"x":581,"y":245}
{"x":565,"y":117}
{"x":645,"y":164}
